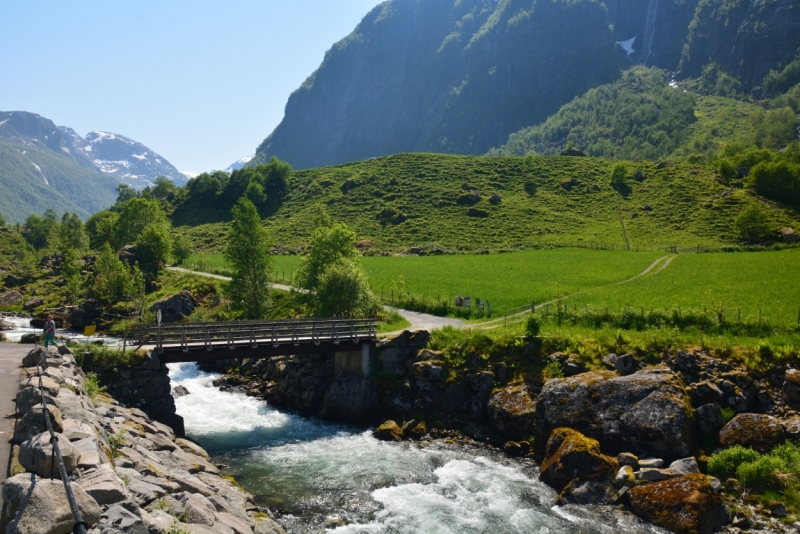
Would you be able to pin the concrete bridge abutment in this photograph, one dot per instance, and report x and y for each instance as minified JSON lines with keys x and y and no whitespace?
{"x":358,"y":363}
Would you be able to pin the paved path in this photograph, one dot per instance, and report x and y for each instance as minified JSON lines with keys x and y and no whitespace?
{"x":228,"y":278}
{"x":10,"y":360}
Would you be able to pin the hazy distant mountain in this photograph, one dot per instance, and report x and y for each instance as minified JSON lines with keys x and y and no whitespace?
{"x":239,"y":163}
{"x":109,"y":154}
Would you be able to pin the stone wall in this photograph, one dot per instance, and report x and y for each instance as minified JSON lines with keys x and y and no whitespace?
{"x":145,"y":386}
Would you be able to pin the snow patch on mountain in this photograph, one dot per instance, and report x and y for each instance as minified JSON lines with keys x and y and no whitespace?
{"x":239,"y":163}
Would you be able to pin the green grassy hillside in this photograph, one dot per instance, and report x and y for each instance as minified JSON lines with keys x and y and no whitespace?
{"x":32,"y":181}
{"x":425,"y":200}
{"x":640,"y":116}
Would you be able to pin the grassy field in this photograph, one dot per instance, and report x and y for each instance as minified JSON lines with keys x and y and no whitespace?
{"x":766,"y":281}
{"x":506,"y":280}
{"x":429,"y":200}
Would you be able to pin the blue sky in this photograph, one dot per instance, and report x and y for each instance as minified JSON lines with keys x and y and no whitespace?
{"x":200,"y":82}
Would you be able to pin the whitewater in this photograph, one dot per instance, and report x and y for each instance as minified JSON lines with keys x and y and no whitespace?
{"x":321,"y":477}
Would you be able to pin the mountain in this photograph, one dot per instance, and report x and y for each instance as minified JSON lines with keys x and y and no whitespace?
{"x":33,"y":180}
{"x":109,"y":154}
{"x":460,"y":77}
{"x":239,"y":163}
{"x":645,"y":116}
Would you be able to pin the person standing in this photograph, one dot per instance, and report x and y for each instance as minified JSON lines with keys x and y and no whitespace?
{"x":49,"y":332}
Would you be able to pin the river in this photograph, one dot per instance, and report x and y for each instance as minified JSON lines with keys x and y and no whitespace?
{"x":323,"y":477}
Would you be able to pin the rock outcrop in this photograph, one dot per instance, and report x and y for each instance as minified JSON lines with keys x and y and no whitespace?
{"x":758,"y":431}
{"x":647,"y":413}
{"x":175,"y":307}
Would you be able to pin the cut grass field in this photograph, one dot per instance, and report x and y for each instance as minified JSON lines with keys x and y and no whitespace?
{"x":768,"y":281}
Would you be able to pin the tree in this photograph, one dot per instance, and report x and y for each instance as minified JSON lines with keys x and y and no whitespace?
{"x":125,"y":193}
{"x":778,"y":180}
{"x":329,"y":244}
{"x":255,"y":193}
{"x":39,"y":229}
{"x":71,"y":271}
{"x":112,"y":281}
{"x":71,"y":234}
{"x":343,"y":291}
{"x":619,"y":179}
{"x":153,"y":245}
{"x":101,"y":228}
{"x":754,"y":224}
{"x":248,"y":254}
{"x":136,"y":215}
{"x":164,"y":189}
{"x":181,"y":248}
{"x":2,"y":220}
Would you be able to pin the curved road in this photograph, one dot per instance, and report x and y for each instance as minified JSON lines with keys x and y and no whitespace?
{"x":424,"y":321}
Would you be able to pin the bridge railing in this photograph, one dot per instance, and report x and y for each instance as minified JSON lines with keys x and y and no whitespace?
{"x":232,"y":334}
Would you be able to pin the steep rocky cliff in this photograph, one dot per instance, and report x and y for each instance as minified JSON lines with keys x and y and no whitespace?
{"x":459,"y":77}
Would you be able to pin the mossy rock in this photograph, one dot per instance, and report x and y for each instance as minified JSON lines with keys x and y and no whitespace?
{"x":684,"y":505}
{"x":570,"y":455}
{"x":389,"y":431}
{"x":758,"y":431}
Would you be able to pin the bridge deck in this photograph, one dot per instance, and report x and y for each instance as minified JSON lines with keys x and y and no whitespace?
{"x":184,"y":342}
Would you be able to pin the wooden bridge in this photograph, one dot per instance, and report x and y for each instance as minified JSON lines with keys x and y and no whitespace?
{"x":196,"y":342}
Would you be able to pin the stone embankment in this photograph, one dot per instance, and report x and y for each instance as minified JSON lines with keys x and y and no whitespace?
{"x":631,"y":434}
{"x":130,"y":474}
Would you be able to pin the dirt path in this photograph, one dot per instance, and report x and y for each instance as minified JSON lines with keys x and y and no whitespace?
{"x":227,"y":278}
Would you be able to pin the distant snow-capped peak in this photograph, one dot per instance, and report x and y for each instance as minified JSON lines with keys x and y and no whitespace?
{"x":239,"y":163}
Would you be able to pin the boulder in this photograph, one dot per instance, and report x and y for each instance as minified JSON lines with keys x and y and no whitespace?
{"x":791,"y":386}
{"x":50,"y":386}
{"x":571,"y":456}
{"x":179,"y":391}
{"x":626,"y":364}
{"x":33,"y":423}
{"x":647,"y":413}
{"x":191,"y":447}
{"x":175,"y":307}
{"x":626,"y":458}
{"x":609,"y":360}
{"x":84,"y":314}
{"x":36,"y":455}
{"x":433,"y":371}
{"x":13,"y":280}
{"x":33,"y":505}
{"x":28,"y":339}
{"x":33,"y":303}
{"x":9,"y":298}
{"x":651,"y":462}
{"x":32,"y":396}
{"x":685,"y":466}
{"x":705,"y":393}
{"x":792,"y":427}
{"x":103,"y":485}
{"x":389,"y":431}
{"x":89,"y":452}
{"x":198,"y":509}
{"x":687,"y":504}
{"x":511,"y":411}
{"x":758,"y":431}
{"x":709,"y":419}
{"x":789,"y":235}
{"x":119,"y":520}
{"x":625,"y":477}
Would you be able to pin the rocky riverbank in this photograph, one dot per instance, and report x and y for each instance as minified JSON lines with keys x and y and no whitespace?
{"x":633,"y":434}
{"x":130,"y":474}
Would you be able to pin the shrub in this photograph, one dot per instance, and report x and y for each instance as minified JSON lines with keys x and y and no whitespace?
{"x":533,"y":326}
{"x":553,"y":370}
{"x":761,"y":473}
{"x":116,"y":442}
{"x":725,"y":463}
{"x":92,"y":385}
{"x":754,"y":225}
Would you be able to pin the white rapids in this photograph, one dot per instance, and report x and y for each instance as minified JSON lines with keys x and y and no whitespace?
{"x":323,"y":477}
